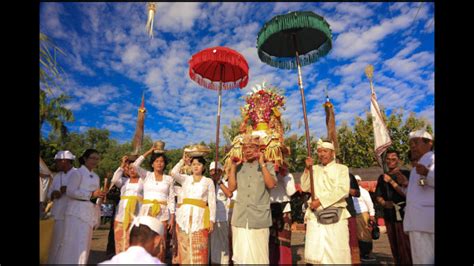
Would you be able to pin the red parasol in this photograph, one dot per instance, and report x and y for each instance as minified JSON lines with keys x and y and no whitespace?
{"x":219,"y":68}
{"x":216,"y":66}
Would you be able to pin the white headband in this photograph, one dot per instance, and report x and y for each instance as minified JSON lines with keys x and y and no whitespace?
{"x":149,"y":221}
{"x":420,"y":134}
{"x":324,"y":144}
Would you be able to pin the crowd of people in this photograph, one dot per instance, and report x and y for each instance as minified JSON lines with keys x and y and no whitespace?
{"x":242,"y":215}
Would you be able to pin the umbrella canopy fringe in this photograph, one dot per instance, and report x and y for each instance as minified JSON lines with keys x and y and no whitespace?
{"x":290,"y":62}
{"x":215,"y":85}
{"x":293,"y":21}
{"x":220,"y":56}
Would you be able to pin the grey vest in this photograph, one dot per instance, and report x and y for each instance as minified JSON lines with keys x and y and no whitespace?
{"x":253,"y":198}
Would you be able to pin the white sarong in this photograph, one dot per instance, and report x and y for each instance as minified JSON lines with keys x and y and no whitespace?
{"x":250,"y":246}
{"x":327,"y":243}
{"x":56,"y":242}
{"x":422,"y":247}
{"x":76,"y":241}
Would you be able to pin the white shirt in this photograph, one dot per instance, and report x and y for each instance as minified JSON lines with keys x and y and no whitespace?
{"x":203,"y":190}
{"x":419,"y":210}
{"x":79,"y":190}
{"x":126,"y":189}
{"x":44,"y":182}
{"x":60,"y":179}
{"x":223,"y":203}
{"x":331,"y":186}
{"x":156,"y":190}
{"x":133,"y":255}
{"x":364,"y":202}
{"x":284,"y":189}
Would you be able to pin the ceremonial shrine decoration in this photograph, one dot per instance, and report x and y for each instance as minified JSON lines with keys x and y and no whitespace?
{"x":261,"y":116}
{"x":261,"y":105}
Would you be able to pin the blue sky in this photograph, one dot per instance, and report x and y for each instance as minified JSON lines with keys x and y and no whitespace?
{"x":111,"y":60}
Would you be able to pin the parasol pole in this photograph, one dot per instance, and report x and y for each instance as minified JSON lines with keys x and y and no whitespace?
{"x":303,"y":101}
{"x":219,"y":105}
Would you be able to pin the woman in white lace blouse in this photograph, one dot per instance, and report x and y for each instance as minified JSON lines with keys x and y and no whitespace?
{"x":197,"y":214}
{"x":158,"y":192}
{"x":127,"y":178}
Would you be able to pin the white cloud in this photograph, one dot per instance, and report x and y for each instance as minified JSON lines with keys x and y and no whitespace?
{"x":176,"y":17}
{"x":352,"y":43}
{"x":93,"y":12}
{"x":354,"y":9}
{"x":83,"y":129}
{"x":95,"y":96}
{"x":115,"y":127}
{"x":50,"y":20}
{"x":133,"y":54}
{"x":223,"y":17}
{"x":73,"y":106}
{"x":410,"y":47}
{"x":429,"y":26}
{"x":429,"y":114}
{"x":353,"y":72}
{"x":410,"y":68}
{"x":123,"y":106}
{"x":285,"y":7}
{"x":431,"y":84}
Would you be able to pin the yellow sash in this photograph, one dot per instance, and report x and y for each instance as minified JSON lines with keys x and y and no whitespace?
{"x":231,"y":204}
{"x":201,"y":204}
{"x":129,"y":208}
{"x":156,"y":208}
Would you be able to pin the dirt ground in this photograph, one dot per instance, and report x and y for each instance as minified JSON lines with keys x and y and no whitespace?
{"x":381,"y":247}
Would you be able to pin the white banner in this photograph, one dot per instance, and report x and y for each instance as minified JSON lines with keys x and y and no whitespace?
{"x":381,"y":136}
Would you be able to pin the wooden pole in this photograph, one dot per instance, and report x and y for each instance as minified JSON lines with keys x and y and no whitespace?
{"x":303,"y":101}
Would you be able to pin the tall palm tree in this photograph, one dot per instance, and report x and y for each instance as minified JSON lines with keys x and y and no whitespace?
{"x":54,"y":113}
{"x":52,"y":110}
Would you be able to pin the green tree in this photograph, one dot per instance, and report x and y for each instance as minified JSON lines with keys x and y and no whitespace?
{"x":363,"y":155}
{"x":173,"y":157}
{"x":346,"y":140}
{"x":52,"y":110}
{"x":231,"y":131}
{"x":357,"y":144}
{"x":298,"y":154}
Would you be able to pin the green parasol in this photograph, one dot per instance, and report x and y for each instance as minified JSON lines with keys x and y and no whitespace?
{"x":291,"y":41}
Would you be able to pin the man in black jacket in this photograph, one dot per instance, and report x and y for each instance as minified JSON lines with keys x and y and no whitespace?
{"x":390,"y":195}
